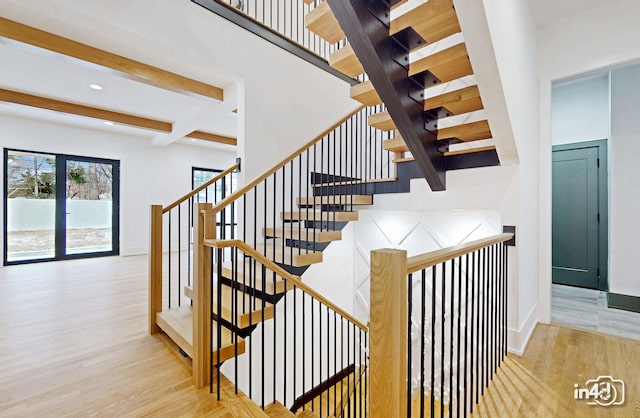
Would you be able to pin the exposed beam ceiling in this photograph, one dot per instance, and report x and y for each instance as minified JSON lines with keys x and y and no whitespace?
{"x":24,"y":99}
{"x":205,"y":136}
{"x":130,"y":68}
{"x":82,"y":110}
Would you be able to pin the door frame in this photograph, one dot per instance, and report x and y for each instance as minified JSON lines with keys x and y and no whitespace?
{"x":60,"y":208}
{"x":603,"y":203}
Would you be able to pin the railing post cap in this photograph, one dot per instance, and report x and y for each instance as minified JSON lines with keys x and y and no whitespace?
{"x":392,"y":251}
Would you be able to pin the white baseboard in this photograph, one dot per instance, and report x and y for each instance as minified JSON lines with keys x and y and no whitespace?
{"x":518,"y":339}
{"x":134,"y":251}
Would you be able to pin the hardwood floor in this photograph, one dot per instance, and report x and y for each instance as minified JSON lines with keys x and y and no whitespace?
{"x":541,"y":382}
{"x":74,"y":343}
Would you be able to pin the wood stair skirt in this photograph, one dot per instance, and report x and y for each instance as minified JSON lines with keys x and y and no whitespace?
{"x":177,"y":323}
{"x":323,"y":23}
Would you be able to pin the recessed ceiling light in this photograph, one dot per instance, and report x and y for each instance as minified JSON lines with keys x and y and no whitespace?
{"x":109,"y":123}
{"x":95,"y":86}
{"x":193,"y":140}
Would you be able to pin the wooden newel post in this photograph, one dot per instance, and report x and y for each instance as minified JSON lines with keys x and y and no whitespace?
{"x":203,"y":228}
{"x":388,"y":334}
{"x":155,"y":267}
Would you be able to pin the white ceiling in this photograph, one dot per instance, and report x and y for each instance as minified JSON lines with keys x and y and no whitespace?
{"x":546,"y":12}
{"x":40,"y":72}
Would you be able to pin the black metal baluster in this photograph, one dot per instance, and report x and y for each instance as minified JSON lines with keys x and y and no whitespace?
{"x":179,"y":258}
{"x":219,"y":313}
{"x":320,"y":350}
{"x":169,"y":260}
{"x":466,"y":331}
{"x":503,"y":278}
{"x":304,"y":344}
{"x":409,"y":333}
{"x":458,"y":339}
{"x":313,"y":346}
{"x":234,"y":310}
{"x":349,"y":362}
{"x":335,"y":362}
{"x":475,"y":331}
{"x":342,"y":365}
{"x":494,"y":308}
{"x":422,"y":344}
{"x":284,"y":335}
{"x":322,"y":191}
{"x":433,"y":337}
{"x":284,"y":206}
{"x":442,"y":325}
{"x":484,"y":320}
{"x":264,"y":286}
{"x":295,"y":342}
{"x":275,"y":326}
{"x":451,"y":324}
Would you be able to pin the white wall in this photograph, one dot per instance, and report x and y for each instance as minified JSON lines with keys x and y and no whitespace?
{"x":624,"y":181}
{"x":148,"y":175}
{"x":513,"y":34}
{"x":589,"y":41}
{"x":580,"y":110}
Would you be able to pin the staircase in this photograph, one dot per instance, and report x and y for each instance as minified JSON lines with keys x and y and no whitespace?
{"x":422,"y":115}
{"x":413,"y":60}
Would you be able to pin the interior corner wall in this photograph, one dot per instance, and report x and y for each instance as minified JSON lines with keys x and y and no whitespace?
{"x":592,"y":40}
{"x":148,"y":175}
{"x":513,"y":35}
{"x":624,"y":186}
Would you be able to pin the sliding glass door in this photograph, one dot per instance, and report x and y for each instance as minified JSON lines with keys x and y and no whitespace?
{"x":59,"y":207}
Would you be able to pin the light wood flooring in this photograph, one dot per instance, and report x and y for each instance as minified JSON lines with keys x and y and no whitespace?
{"x":74,"y":343}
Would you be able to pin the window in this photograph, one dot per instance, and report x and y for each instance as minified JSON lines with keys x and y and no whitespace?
{"x":59,"y":207}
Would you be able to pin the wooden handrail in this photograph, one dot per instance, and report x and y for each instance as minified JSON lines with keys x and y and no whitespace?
{"x":270,"y":265}
{"x":423,"y":261}
{"x":199,"y":189}
{"x":247,"y":187}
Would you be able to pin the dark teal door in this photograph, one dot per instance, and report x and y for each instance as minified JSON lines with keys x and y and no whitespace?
{"x":575,"y":217}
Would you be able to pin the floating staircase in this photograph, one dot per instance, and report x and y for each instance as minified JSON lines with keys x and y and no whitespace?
{"x":426,"y":51}
{"x":431,"y":108}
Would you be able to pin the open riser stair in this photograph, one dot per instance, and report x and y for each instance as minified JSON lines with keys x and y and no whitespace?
{"x":227,"y":270}
{"x":417,"y":64}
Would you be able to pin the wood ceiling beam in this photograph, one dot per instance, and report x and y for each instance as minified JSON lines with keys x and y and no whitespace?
{"x":131,"y":68}
{"x":10,"y":96}
{"x":205,"y":136}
